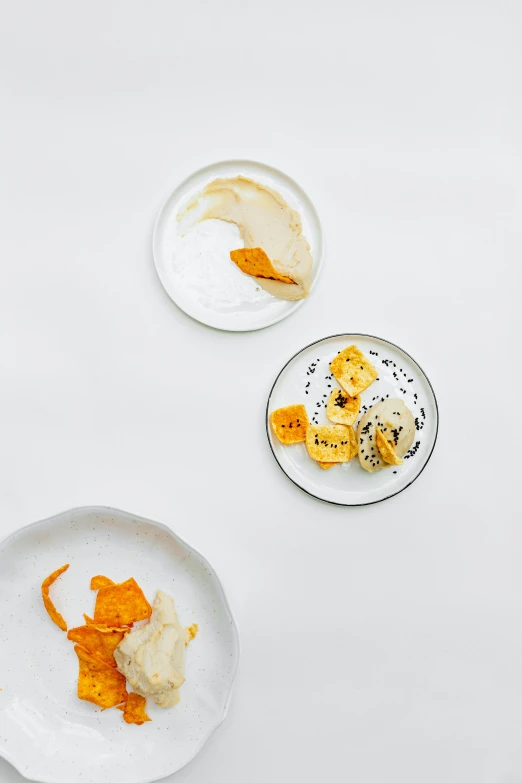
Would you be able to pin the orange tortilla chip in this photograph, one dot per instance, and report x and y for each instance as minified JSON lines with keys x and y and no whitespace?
{"x":134,"y":709}
{"x":290,"y":423}
{"x":98,"y":640}
{"x":98,"y":682}
{"x":106,"y":628}
{"x":55,"y":616}
{"x":254,"y":261}
{"x":100,"y":581}
{"x":386,"y":448}
{"x":121,"y":604}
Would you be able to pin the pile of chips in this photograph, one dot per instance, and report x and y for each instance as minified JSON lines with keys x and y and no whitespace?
{"x":118,"y":607}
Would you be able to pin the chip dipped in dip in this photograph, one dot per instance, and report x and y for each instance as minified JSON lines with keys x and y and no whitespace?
{"x":152,"y":657}
{"x":269,"y":227}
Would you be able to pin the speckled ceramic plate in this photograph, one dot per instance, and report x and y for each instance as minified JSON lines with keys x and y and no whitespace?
{"x":306,"y":379}
{"x":196,"y":270}
{"x":46,"y":732}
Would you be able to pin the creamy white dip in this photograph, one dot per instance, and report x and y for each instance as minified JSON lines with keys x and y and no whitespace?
{"x":264,"y":220}
{"x":152,"y":657}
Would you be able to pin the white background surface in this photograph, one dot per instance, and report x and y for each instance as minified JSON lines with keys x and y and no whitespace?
{"x":380,"y":644}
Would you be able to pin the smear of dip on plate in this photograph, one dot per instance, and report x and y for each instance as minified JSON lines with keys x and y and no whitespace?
{"x":265,"y":221}
{"x":152,"y":657}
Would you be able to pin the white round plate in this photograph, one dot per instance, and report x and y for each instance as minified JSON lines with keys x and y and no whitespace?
{"x":46,"y":732}
{"x":306,"y":379}
{"x":196,"y":270}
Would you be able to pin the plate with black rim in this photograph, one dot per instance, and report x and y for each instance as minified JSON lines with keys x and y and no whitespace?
{"x":306,"y":378}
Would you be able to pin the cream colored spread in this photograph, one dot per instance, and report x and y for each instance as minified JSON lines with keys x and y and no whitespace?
{"x":397,"y":425}
{"x":152,"y":657}
{"x":264,"y":220}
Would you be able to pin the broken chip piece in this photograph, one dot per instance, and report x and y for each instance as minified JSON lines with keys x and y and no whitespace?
{"x":100,"y":581}
{"x":386,"y":449}
{"x":99,"y":683}
{"x":290,"y":424}
{"x":341,"y":408}
{"x":353,"y":371}
{"x":98,"y":640}
{"x":134,"y":709}
{"x":255,"y":262}
{"x":55,"y":616}
{"x":121,"y":604}
{"x":331,"y":443}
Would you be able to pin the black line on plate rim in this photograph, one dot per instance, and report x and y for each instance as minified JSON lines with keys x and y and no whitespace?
{"x":322,"y":340}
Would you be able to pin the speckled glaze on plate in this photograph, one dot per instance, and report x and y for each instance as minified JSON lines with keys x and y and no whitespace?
{"x":196,"y":270}
{"x":46,"y":732}
{"x":305,"y":378}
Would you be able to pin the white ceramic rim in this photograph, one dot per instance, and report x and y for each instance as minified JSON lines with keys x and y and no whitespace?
{"x":318,"y":262}
{"x":108,"y":510}
{"x":373,"y":337}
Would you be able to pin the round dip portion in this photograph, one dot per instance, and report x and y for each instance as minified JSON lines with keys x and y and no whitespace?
{"x":264,"y":220}
{"x":152,"y":658}
{"x":397,"y":424}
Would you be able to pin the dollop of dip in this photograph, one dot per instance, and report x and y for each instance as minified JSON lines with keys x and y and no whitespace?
{"x":152,"y":657}
{"x":265,"y":221}
{"x":397,"y":425}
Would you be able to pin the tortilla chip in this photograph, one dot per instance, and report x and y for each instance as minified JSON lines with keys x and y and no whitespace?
{"x":341,"y":408}
{"x":353,"y":371}
{"x":327,"y":465}
{"x":330,"y":443}
{"x":121,"y":604}
{"x":100,"y":581}
{"x":106,"y":628}
{"x":98,"y":683}
{"x":355,"y":442}
{"x":55,"y":616}
{"x":290,"y":424}
{"x":98,"y":640}
{"x":134,"y":709}
{"x":191,"y":631}
{"x":386,"y":449}
{"x":255,"y":262}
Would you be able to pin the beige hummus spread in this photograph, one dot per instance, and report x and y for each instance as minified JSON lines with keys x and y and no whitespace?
{"x":265,"y":221}
{"x":397,"y":425}
{"x":152,"y":657}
